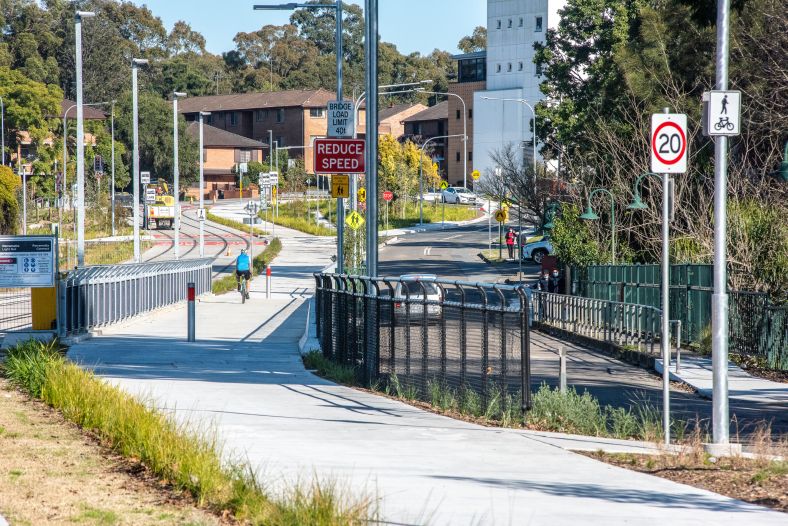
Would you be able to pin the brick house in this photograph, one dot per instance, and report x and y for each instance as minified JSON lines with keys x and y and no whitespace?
{"x":428,"y":123}
{"x":222,"y":151}
{"x":471,"y":77}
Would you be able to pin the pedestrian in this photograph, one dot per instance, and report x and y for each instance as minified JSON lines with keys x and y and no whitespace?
{"x":543,"y":283}
{"x":511,"y":236}
{"x":554,"y":285}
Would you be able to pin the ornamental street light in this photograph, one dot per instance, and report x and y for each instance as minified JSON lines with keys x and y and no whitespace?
{"x":637,"y":203}
{"x":337,"y":7}
{"x":464,"y":131}
{"x":78,"y":17}
{"x":421,"y":172}
{"x":135,"y":63}
{"x":591,"y":216}
{"x":176,"y":171}
{"x":202,"y":186}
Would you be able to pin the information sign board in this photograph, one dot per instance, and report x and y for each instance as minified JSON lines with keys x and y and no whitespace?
{"x":27,"y":261}
{"x":341,"y":119}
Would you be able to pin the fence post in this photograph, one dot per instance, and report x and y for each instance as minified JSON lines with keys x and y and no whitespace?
{"x":425,"y":329}
{"x":190,"y":312}
{"x":525,"y":351}
{"x":562,"y":369}
{"x":485,"y":344}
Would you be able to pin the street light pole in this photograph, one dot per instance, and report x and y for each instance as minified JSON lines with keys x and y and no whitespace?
{"x":371,"y":53}
{"x":112,"y":184}
{"x":135,"y":63}
{"x":80,"y":140}
{"x":590,"y":215}
{"x":464,"y":132}
{"x":2,"y":132}
{"x":719,"y":300}
{"x":202,"y":190}
{"x":421,"y":172}
{"x":176,"y":189}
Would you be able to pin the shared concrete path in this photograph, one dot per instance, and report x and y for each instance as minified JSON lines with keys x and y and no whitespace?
{"x":244,"y":376}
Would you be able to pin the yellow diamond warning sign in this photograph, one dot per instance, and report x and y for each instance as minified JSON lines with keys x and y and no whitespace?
{"x":355,"y":220}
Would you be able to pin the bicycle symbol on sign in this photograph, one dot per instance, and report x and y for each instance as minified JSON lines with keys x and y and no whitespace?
{"x":724,"y":122}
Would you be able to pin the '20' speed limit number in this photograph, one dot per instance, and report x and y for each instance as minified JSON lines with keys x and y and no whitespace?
{"x":669,"y":143}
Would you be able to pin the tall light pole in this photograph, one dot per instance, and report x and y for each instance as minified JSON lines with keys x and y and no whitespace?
{"x":533,"y":112}
{"x":421,"y":172}
{"x":337,"y":6}
{"x":719,"y":300}
{"x":464,"y":132}
{"x":79,"y":15}
{"x":112,"y":183}
{"x":135,"y":63}
{"x":591,"y":216}
{"x":175,"y":170}
{"x":371,"y":55}
{"x":202,"y":190}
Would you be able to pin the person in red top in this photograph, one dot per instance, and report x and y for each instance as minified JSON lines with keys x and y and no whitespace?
{"x":511,"y":239}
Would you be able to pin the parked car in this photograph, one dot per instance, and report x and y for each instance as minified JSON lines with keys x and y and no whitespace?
{"x":537,"y":250}
{"x":433,"y":194}
{"x":459,"y":195}
{"x":124,"y":199}
{"x":412,"y":288}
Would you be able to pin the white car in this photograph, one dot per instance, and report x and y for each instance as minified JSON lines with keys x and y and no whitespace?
{"x":459,"y":195}
{"x":537,"y":250}
{"x":431,"y":195}
{"x":412,"y":288}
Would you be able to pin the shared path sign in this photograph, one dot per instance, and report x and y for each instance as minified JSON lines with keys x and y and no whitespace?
{"x":339,"y":156}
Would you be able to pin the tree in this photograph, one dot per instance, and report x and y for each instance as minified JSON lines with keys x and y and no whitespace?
{"x":400,"y":165}
{"x":29,"y":106}
{"x":9,"y":207}
{"x":572,"y":241}
{"x":476,"y":42}
{"x":184,"y":40}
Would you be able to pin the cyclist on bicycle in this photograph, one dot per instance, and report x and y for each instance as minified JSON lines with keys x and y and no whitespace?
{"x":243,"y":266}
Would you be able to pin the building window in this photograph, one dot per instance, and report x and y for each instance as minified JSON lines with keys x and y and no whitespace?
{"x":458,"y":114}
{"x":458,"y":157}
{"x":208,"y":119}
{"x":510,"y":23}
{"x":244,"y":156}
{"x":521,"y":22}
{"x":280,"y":115}
{"x":538,"y":28}
{"x":509,"y":67}
{"x":260,"y":115}
{"x":520,"y":66}
{"x":497,"y":68}
{"x":280,"y":141}
{"x":233,"y":118}
{"x":317,"y":112}
{"x":498,"y":25}
{"x":417,"y":128}
{"x":472,"y":70}
{"x":470,"y":156}
{"x":470,"y":113}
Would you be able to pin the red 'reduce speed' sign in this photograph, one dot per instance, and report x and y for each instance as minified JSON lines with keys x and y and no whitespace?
{"x":339,"y":156}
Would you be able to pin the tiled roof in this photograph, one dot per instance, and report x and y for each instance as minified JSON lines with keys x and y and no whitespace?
{"x":215,"y":137}
{"x":251,"y":101}
{"x":433,"y":113}
{"x":391,"y":111}
{"x":89,"y":112}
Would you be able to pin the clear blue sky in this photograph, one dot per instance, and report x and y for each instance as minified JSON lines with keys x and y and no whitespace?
{"x":412,"y":25}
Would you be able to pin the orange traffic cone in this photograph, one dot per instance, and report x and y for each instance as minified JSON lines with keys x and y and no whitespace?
{"x":228,"y":252}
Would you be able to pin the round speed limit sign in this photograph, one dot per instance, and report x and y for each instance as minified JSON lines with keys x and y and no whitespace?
{"x":669,"y":143}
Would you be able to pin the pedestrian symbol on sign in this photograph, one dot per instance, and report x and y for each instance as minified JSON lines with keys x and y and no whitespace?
{"x":500,"y":215}
{"x":355,"y":220}
{"x":444,"y":185}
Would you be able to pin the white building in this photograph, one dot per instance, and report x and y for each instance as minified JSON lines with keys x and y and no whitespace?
{"x":512,"y":28}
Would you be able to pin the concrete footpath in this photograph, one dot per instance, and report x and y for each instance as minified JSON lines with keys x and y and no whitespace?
{"x":245,"y":377}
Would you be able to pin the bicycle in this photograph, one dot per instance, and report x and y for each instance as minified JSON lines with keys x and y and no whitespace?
{"x":724,"y":122}
{"x":244,"y":289}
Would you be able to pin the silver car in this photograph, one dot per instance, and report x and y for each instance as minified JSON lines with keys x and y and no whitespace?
{"x":412,"y":288}
{"x":459,"y":195}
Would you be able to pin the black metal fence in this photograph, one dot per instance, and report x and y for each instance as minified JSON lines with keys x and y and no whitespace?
{"x":428,"y":336}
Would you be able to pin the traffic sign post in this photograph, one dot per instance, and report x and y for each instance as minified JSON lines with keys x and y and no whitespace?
{"x":723,"y":113}
{"x":669,"y":150}
{"x":341,"y":119}
{"x":340,"y":186}
{"x":388,"y":196}
{"x":669,"y":143}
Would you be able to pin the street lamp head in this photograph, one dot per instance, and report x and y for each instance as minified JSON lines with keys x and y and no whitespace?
{"x":204,"y":113}
{"x":138,"y":62}
{"x":177,"y":94}
{"x":79,"y":15}
{"x":589,"y":214}
{"x":278,"y":7}
{"x":637,"y":204}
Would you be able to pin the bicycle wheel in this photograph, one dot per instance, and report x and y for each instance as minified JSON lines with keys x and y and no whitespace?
{"x":729,"y":126}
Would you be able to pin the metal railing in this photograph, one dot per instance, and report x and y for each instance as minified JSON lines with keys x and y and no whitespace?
{"x":91,"y":297}
{"x":15,"y":311}
{"x":424,"y":334}
{"x":625,"y":324}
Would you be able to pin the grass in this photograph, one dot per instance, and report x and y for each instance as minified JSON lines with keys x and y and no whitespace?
{"x":234,"y":224}
{"x":343,"y":374}
{"x":227,"y":284}
{"x":399,"y":218}
{"x":104,"y":253}
{"x":296,"y":215}
{"x":186,"y":458}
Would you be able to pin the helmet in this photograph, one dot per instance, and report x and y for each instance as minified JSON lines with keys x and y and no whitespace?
{"x":243,"y":251}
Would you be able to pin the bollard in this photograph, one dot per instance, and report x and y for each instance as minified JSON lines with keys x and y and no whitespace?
{"x":562,"y":370}
{"x":678,"y":346}
{"x":190,"y":299}
{"x":268,"y":282}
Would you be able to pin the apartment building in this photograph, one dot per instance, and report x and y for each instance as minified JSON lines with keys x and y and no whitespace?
{"x":471,"y":77}
{"x":427,"y":124}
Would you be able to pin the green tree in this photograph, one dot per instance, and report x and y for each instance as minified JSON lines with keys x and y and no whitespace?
{"x":571,"y":239}
{"x":477,"y":41}
{"x":9,"y":206}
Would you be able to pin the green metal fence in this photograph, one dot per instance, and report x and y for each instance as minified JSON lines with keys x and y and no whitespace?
{"x":757,"y":327}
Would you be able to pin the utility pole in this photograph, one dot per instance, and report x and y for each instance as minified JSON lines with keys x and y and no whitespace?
{"x":371,"y":52}
{"x":135,"y":62}
{"x":80,"y":140}
{"x":202,"y":189}
{"x":719,"y":299}
{"x":112,"y":184}
{"x":176,"y":171}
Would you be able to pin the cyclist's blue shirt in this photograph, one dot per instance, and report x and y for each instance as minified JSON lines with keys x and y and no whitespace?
{"x":242,"y":263}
